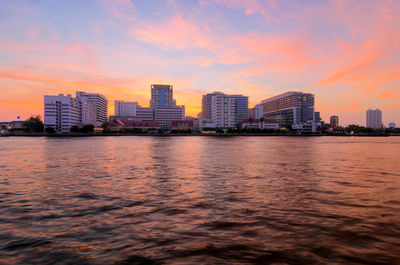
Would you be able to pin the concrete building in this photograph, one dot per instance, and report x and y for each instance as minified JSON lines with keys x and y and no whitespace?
{"x":162,"y":96}
{"x":201,"y":124}
{"x":392,"y":125}
{"x":120,"y":125}
{"x":256,"y":112}
{"x":307,"y":127}
{"x":223,"y":111}
{"x":290,"y":108}
{"x":182,"y":125}
{"x":99,"y":101}
{"x":164,"y":116}
{"x":61,"y":112}
{"x":145,"y":114}
{"x":88,"y":112}
{"x":374,"y":119}
{"x":122,"y":108}
{"x":206,"y":102}
{"x":260,"y":124}
{"x":334,"y":121}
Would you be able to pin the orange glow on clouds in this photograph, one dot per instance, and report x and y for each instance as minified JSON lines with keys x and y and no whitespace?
{"x":348,"y":54}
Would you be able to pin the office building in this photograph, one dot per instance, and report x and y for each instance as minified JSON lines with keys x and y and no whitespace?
{"x":256,"y":112}
{"x":100,"y":102}
{"x":88,"y":112}
{"x":334,"y":121}
{"x":290,"y":108}
{"x":374,"y":119}
{"x":223,"y":111}
{"x":162,"y":96}
{"x":122,"y":108}
{"x":145,"y":114}
{"x":61,"y":113}
{"x":241,"y":108}
{"x":164,"y":116}
{"x":206,"y":103}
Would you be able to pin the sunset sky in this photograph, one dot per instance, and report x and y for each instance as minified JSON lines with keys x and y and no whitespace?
{"x":345,"y":52}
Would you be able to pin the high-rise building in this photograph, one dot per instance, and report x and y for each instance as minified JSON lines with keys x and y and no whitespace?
{"x":122,"y":108}
{"x":206,"y":105}
{"x":162,"y":96}
{"x":374,"y":119}
{"x":88,"y":112}
{"x":290,"y":108}
{"x":100,"y":102}
{"x":223,"y":111}
{"x":241,"y":108}
{"x":334,"y":121}
{"x":61,"y":113}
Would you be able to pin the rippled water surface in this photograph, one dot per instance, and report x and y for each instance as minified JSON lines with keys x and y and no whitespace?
{"x":200,"y":200}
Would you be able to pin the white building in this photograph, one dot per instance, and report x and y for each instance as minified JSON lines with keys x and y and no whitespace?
{"x":260,"y":124}
{"x":200,"y":124}
{"x":164,"y":116}
{"x":256,"y":112}
{"x":223,"y":111}
{"x":374,"y":119}
{"x":122,"y":108}
{"x":101,"y":104}
{"x":61,"y":113}
{"x":307,"y":127}
{"x":87,"y":112}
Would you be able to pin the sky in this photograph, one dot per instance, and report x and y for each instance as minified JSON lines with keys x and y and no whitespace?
{"x":345,"y":52}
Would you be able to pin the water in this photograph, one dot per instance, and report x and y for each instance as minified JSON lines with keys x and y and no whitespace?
{"x":200,"y":200}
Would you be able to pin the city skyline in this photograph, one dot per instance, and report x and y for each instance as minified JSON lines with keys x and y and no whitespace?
{"x":345,"y":53}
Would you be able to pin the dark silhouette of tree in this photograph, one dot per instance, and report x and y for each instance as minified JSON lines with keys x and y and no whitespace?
{"x":33,"y":125}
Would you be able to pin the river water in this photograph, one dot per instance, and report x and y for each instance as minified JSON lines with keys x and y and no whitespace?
{"x":200,"y":200}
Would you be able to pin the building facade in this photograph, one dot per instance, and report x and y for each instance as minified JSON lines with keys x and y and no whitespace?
{"x":241,"y":108}
{"x":122,"y":108}
{"x":100,"y":102}
{"x":223,"y":111}
{"x":164,"y":116}
{"x":162,"y":96}
{"x":206,"y":104}
{"x":290,"y":108}
{"x":61,"y":113}
{"x":374,"y":119}
{"x":334,"y":121}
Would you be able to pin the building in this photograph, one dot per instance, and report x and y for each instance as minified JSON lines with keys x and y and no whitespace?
{"x":61,"y":113}
{"x":122,"y":108}
{"x":99,"y":101}
{"x":88,"y":112}
{"x":182,"y":125}
{"x":241,"y":108}
{"x":223,"y":111}
{"x":374,"y":119}
{"x":392,"y":125}
{"x":145,"y":114}
{"x":256,"y":112}
{"x":317,"y":116}
{"x":307,"y":127}
{"x":204,"y":124}
{"x":290,"y":108}
{"x":206,"y":103}
{"x":162,"y":96}
{"x":334,"y":121}
{"x":164,"y":116}
{"x":260,"y":124}
{"x":120,"y":125}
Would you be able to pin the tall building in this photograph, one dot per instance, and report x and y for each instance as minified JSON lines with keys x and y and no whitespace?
{"x":206,"y":105}
{"x":162,"y":96}
{"x":223,"y":111}
{"x":88,"y":112}
{"x":122,"y":108}
{"x":100,"y":102}
{"x":334,"y":121}
{"x":241,"y":108}
{"x":61,"y":113}
{"x":145,"y":114}
{"x":374,"y":119}
{"x":290,"y":108}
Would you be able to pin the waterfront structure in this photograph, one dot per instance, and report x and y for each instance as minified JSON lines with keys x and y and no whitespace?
{"x":122,"y":108}
{"x":61,"y":113}
{"x":307,"y":127}
{"x":290,"y":108}
{"x":99,"y":101}
{"x":122,"y":125}
{"x":392,"y":125}
{"x":206,"y":102}
{"x":162,"y":96}
{"x":334,"y":121}
{"x":262,"y":124}
{"x":241,"y":108}
{"x":201,"y":124}
{"x":182,"y":125}
{"x":223,"y":111}
{"x":256,"y":112}
{"x":374,"y":119}
{"x":164,"y":116}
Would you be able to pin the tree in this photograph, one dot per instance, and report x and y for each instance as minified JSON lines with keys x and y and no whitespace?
{"x":87,"y":128}
{"x":75,"y":129}
{"x":106,"y":126}
{"x":50,"y":130}
{"x":33,"y":124}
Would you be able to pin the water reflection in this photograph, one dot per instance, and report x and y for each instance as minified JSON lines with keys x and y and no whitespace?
{"x":144,"y":200}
